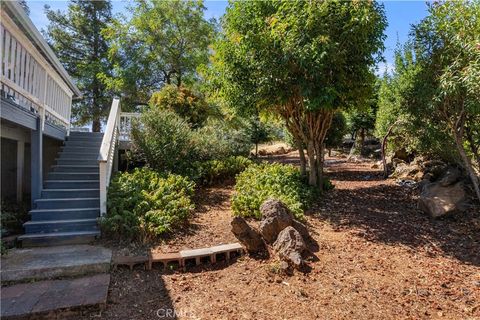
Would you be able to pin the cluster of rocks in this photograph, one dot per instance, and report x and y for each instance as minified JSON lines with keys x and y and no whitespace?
{"x":277,"y":151}
{"x":442,"y":186}
{"x":278,"y":229}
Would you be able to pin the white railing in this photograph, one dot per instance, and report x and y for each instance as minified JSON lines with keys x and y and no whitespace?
{"x":28,"y":79}
{"x":107,"y":156}
{"x":126,"y":119}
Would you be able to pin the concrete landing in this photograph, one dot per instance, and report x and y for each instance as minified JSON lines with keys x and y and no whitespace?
{"x":54,"y":262}
{"x":48,"y":297}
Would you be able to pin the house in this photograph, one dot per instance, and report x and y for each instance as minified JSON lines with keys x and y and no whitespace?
{"x":65,"y":174}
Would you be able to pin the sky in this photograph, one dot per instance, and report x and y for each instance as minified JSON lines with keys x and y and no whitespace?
{"x":400,"y":16}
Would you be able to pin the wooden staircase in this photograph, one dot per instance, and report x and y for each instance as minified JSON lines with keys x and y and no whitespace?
{"x":69,"y":207}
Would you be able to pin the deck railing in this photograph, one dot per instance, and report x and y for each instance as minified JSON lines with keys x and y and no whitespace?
{"x":29,"y":80}
{"x":126,"y":121}
{"x":107,"y":155}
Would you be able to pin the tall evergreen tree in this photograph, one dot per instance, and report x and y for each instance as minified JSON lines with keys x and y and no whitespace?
{"x":76,"y":37}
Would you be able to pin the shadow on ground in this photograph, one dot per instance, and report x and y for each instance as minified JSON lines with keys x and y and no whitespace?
{"x":137,"y":295}
{"x":387,"y":213}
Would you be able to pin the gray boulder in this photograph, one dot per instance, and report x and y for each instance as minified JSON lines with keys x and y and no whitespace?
{"x":248,"y":236}
{"x":438,"y":200}
{"x":451,"y":176}
{"x":275,"y":217}
{"x":289,"y":246}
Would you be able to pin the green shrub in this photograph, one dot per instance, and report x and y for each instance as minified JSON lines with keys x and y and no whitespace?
{"x":217,"y":140}
{"x":13,"y":216}
{"x":167,"y":143}
{"x":263,"y":181}
{"x":164,"y":140}
{"x":187,"y":104}
{"x":211,"y":171}
{"x":144,"y":204}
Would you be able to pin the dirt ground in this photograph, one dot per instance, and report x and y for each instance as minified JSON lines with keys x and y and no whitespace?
{"x":378,"y":257}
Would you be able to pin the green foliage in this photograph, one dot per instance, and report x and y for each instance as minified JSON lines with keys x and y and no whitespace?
{"x":167,"y":143}
{"x":337,"y":131}
{"x":144,"y":204}
{"x":159,"y":42}
{"x":301,"y":60}
{"x":76,"y":38}
{"x":184,"y":102}
{"x":164,"y":140}
{"x":212,"y":171}
{"x":218,"y":140}
{"x":263,"y":181}
{"x":13,"y":216}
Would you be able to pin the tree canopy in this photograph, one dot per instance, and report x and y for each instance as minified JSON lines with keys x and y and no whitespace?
{"x":163,"y":42}
{"x":300,"y":59}
{"x":76,"y":37}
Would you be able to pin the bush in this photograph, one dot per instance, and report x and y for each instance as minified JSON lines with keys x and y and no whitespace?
{"x":211,"y":171}
{"x":184,"y":102}
{"x":217,"y":140}
{"x":165,"y":140}
{"x":260,"y":182}
{"x":167,"y":143}
{"x":144,"y":204}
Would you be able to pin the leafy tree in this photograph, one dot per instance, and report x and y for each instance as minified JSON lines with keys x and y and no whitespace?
{"x":302,"y":60}
{"x":447,"y":50}
{"x":162,"y":42}
{"x":184,"y":102}
{"x":360,"y":123}
{"x":257,"y":131}
{"x":76,"y":37}
{"x":24,"y":5}
{"x":336,"y":132}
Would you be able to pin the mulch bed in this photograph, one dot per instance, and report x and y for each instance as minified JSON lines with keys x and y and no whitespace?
{"x":378,"y":257}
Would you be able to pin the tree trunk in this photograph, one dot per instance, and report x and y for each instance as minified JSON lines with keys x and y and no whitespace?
{"x":458,"y":131}
{"x":96,"y":125}
{"x":467,"y":163}
{"x":256,"y":150}
{"x":312,"y":163}
{"x":384,"y":148}
{"x":474,"y":148}
{"x":303,"y":160}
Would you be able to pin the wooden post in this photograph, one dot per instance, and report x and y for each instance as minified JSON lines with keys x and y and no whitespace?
{"x":36,"y":161}
{"x":20,"y":168}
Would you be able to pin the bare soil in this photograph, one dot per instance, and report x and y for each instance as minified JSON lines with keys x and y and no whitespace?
{"x":378,"y":257}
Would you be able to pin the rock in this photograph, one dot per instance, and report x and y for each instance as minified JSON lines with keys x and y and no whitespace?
{"x":451,"y":176}
{"x":262,"y":152}
{"x":289,"y":246}
{"x":275,"y":217}
{"x":438,"y":200}
{"x":248,"y":236}
{"x":301,"y":228}
{"x":401,"y":154}
{"x":404,"y":171}
{"x":435,"y":167}
{"x":375,"y":166}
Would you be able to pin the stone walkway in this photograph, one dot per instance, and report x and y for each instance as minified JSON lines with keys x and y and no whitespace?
{"x":46,"y":297}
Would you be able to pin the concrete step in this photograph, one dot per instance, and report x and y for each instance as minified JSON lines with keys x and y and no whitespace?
{"x":50,"y":226}
{"x":83,"y":133}
{"x":71,"y":184}
{"x":73,"y":176}
{"x":73,"y":162}
{"x":83,"y":143}
{"x":58,"y":238}
{"x":79,"y":155}
{"x":54,"y":262}
{"x":55,"y":299}
{"x":70,"y":193}
{"x":75,"y":168}
{"x":63,"y":214}
{"x":87,"y":149}
{"x":67,"y":203}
